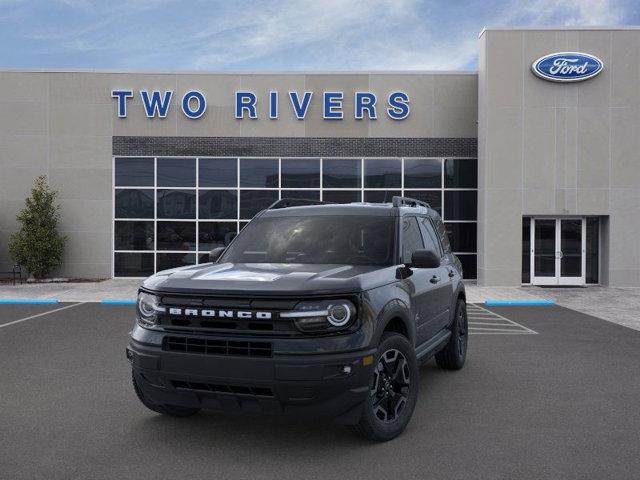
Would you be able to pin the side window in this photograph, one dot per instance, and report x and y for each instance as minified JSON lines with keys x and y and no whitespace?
{"x":441,"y":230}
{"x":411,"y":238}
{"x":430,"y":238}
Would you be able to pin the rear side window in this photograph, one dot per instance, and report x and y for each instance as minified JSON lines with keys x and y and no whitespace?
{"x":430,"y":238}
{"x":442,"y":234}
{"x":411,"y":238}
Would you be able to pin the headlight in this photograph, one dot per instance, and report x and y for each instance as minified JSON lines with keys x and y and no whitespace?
{"x":148,"y":307}
{"x":322,"y":316}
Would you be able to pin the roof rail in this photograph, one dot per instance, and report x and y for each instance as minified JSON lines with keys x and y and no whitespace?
{"x":408,"y":202}
{"x":295,"y":202}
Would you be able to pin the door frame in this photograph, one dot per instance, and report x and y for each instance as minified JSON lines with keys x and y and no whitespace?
{"x":558,"y":279}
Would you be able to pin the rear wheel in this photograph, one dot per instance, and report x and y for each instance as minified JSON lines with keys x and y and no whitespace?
{"x":393,"y":390}
{"x":170,"y":410}
{"x":452,"y":356}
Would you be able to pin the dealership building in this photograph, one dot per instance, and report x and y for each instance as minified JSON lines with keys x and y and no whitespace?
{"x":532,"y":161}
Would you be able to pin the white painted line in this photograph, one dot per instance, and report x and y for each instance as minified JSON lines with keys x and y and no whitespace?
{"x":510,"y":321}
{"x":503,"y":333}
{"x":40,"y":315}
{"x":513,"y":330}
{"x":492,"y":324}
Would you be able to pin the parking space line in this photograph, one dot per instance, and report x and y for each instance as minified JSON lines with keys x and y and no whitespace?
{"x":40,"y":314}
{"x":485,"y":322}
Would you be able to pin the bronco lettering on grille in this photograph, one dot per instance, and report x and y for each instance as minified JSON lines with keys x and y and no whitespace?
{"x":241,"y":314}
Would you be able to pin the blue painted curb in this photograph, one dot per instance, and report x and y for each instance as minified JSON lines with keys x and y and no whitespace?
{"x":27,"y":301}
{"x":117,"y":302}
{"x":518,"y":303}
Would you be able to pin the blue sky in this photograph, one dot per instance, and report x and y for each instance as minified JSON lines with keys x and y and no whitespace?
{"x":274,"y":35}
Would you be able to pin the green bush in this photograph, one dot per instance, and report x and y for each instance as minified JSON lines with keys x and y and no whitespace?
{"x":37,"y":246}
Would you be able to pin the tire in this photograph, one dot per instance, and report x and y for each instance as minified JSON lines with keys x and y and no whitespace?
{"x":393,"y":390}
{"x":454,"y":354}
{"x":169,"y":410}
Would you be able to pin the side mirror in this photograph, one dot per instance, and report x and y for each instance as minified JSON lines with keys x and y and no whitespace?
{"x":425,"y":259}
{"x":214,"y":254}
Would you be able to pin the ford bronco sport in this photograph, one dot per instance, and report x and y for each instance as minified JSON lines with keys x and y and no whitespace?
{"x":316,"y":310}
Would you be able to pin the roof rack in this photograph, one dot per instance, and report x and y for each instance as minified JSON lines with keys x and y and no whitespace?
{"x":295,"y":202}
{"x":408,"y":202}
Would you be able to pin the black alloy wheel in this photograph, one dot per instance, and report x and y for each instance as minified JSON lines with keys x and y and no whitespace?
{"x":391,"y":383}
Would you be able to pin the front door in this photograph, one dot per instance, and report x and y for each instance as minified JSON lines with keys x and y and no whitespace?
{"x":558,"y":251}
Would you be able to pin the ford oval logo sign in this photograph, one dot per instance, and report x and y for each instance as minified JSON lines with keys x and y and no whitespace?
{"x":567,"y":66}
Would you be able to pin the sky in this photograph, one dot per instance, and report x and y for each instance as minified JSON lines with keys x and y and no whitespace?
{"x":277,"y":35}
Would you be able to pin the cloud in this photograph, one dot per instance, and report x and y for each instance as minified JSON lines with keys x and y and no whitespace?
{"x":284,"y":34}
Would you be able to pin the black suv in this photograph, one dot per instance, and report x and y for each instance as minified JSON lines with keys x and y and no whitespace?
{"x":314,"y":310}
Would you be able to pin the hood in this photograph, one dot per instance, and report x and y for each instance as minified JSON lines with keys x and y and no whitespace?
{"x":270,"y":279}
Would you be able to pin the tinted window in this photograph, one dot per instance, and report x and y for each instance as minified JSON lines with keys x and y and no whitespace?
{"x":422,"y":173}
{"x":463,"y":236}
{"x":593,"y":240}
{"x":411,"y":238}
{"x":259,"y":172}
{"x":526,"y":250}
{"x":252,"y":201}
{"x":134,"y":203}
{"x":460,"y":205}
{"x":176,"y":204}
{"x":132,"y":264}
{"x":215,"y":234}
{"x":468,"y":266}
{"x":300,"y":173}
{"x":431,"y":241}
{"x":218,"y":172}
{"x":380,"y":173}
{"x":218,"y":204}
{"x":442,"y":234}
{"x":460,"y":173}
{"x":176,"y":235}
{"x":176,"y":172}
{"x":134,"y":172}
{"x":350,"y":240}
{"x":173,"y":260}
{"x":341,"y":173}
{"x":342,"y":196}
{"x":133,"y":236}
{"x":306,"y":194}
{"x":432,"y":197}
{"x":380,"y":196}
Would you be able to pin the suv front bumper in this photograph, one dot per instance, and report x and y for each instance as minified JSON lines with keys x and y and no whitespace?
{"x":309,"y":385}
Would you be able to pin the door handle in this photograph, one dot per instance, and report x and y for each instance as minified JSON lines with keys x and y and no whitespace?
{"x":451,"y":273}
{"x":435,"y":279}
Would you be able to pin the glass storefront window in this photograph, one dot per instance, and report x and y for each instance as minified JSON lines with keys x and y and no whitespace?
{"x":460,"y":173}
{"x":176,"y":172}
{"x":422,"y":173}
{"x":217,"y":172}
{"x":197,"y":202}
{"x":300,"y":173}
{"x":593,"y":247}
{"x":526,"y":250}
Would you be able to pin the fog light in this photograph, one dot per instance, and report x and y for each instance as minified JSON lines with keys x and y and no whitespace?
{"x":346,"y":369}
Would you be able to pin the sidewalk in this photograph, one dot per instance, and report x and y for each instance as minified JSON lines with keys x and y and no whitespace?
{"x":617,"y":305}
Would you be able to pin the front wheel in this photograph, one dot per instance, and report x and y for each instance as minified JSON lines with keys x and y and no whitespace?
{"x":393,"y":390}
{"x":453,"y":355}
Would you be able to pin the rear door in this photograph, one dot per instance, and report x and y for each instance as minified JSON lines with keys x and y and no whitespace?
{"x":441,"y":294}
{"x":418,"y":283}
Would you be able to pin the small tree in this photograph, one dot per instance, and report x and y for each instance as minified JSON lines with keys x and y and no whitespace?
{"x":38,"y":246}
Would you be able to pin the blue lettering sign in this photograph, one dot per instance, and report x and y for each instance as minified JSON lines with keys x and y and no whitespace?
{"x":246,"y":101}
{"x":300,"y":108}
{"x":156,"y":105}
{"x":332,"y":105}
{"x":122,"y":96}
{"x":398,"y":105}
{"x":200,"y":100}
{"x":273,"y":105}
{"x":365,"y":101}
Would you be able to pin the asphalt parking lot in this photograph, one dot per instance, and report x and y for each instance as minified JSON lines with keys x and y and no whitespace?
{"x":547,"y":392}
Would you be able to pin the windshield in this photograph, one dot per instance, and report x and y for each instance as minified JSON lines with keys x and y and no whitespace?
{"x":349,"y":240}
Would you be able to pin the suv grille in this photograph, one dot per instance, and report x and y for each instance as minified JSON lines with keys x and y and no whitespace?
{"x":207,"y":346}
{"x":231,"y":389}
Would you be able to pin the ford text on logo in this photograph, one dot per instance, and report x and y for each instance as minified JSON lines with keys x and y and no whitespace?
{"x":567,"y":66}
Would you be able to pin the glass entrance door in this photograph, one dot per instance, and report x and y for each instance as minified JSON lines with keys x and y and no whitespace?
{"x":558,"y":251}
